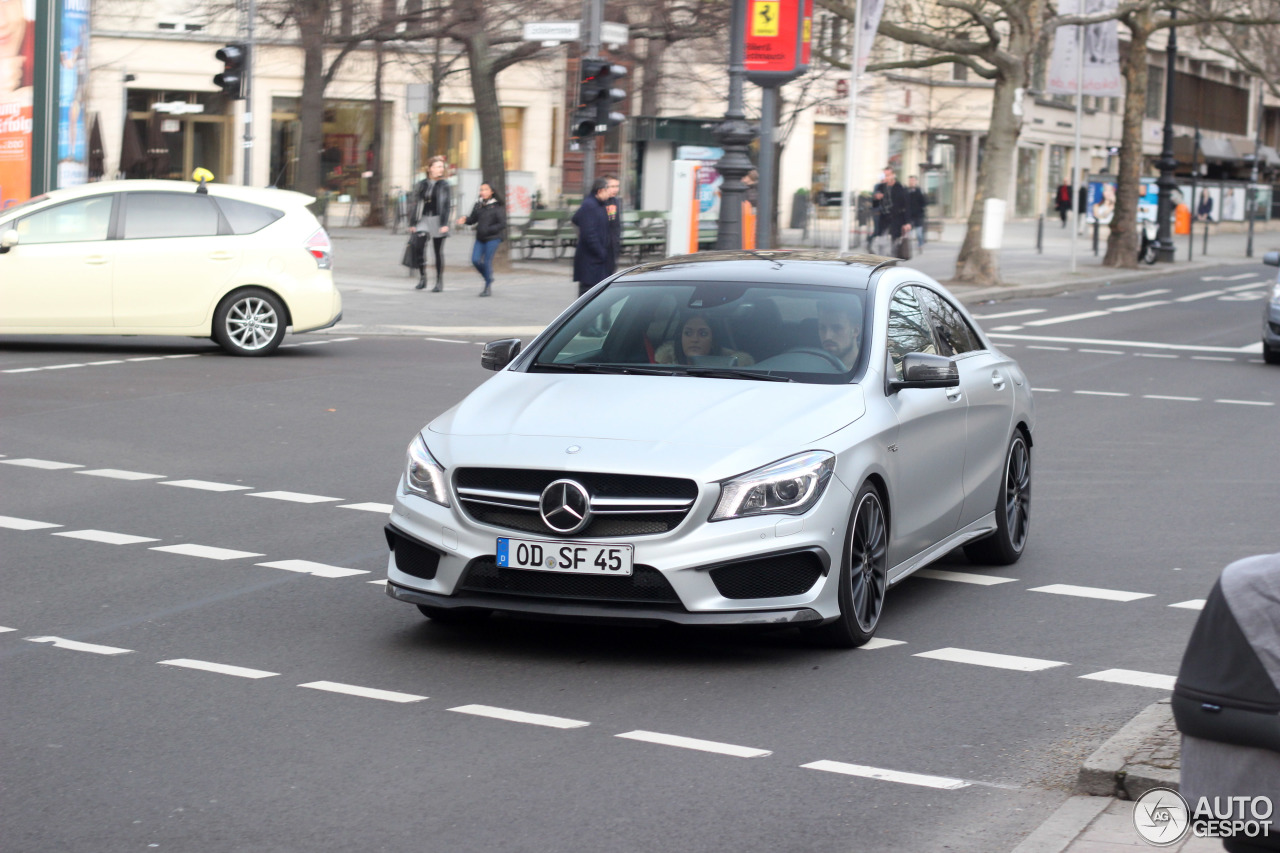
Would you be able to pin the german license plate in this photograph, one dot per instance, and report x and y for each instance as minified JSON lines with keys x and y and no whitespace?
{"x":578,"y":558}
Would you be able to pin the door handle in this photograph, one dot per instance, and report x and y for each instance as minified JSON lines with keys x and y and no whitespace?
{"x":997,"y":380}
{"x":953,"y":394}
{"x":96,"y":260}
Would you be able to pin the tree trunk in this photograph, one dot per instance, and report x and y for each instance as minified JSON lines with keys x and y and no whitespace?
{"x":1122,"y":244}
{"x":651,"y":69}
{"x":484,"y":91}
{"x":974,"y":264}
{"x":376,"y":211}
{"x":311,"y":110}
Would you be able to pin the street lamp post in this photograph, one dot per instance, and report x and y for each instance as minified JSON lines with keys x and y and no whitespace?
{"x":1167,"y":163}
{"x":734,"y":134}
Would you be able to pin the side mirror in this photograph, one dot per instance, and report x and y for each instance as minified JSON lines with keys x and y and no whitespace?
{"x":9,"y":239}
{"x":1271,"y":259}
{"x":925,"y":370}
{"x":498,"y":354}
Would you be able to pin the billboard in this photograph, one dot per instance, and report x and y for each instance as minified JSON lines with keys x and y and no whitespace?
{"x":73,"y":80}
{"x":17,"y":75}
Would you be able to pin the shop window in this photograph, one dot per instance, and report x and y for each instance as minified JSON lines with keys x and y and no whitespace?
{"x":512,"y":137}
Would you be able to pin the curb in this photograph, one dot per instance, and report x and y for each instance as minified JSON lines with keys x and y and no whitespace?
{"x":1064,"y":825}
{"x":1109,"y":773}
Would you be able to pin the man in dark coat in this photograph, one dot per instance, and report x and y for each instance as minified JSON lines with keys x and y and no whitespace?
{"x":892,"y":209}
{"x":613,"y":207}
{"x":595,"y":257}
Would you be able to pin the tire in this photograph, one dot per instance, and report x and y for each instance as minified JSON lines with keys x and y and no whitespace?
{"x":448,"y":616}
{"x":864,"y":576}
{"x":1270,"y":355}
{"x":1013,"y":510}
{"x":1148,"y":255}
{"x":249,"y":322}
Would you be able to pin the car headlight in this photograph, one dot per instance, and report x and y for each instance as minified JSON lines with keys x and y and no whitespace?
{"x":423,"y":475}
{"x":790,"y":486}
{"x":1275,"y":292}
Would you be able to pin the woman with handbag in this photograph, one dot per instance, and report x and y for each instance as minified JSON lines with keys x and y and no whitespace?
{"x":489,"y":216}
{"x":433,"y":202}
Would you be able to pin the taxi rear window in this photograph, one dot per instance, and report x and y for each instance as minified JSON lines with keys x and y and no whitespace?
{"x":246,"y":217}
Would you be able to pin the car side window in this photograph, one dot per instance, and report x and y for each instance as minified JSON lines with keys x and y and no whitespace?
{"x":152,"y":215}
{"x":246,"y":217}
{"x":955,"y":335}
{"x":908,"y":328}
{"x":79,"y":221}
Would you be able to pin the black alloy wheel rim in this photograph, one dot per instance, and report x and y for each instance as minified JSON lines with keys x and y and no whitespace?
{"x":867,"y":574}
{"x":1017,"y":493}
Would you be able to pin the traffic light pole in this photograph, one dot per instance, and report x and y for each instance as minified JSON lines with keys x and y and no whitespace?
{"x":734,"y":134}
{"x":592,"y":16}
{"x":247,"y":179}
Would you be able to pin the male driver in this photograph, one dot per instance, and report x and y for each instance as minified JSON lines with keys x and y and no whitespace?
{"x":840,"y":328}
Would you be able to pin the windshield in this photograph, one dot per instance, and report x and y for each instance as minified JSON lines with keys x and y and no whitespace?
{"x":796,"y":333}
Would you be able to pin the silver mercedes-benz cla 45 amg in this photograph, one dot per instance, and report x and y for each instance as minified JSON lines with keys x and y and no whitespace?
{"x":770,"y":438}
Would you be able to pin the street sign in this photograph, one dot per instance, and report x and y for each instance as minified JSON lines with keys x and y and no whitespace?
{"x":777,"y":40}
{"x":614,"y":34}
{"x":551,"y":31}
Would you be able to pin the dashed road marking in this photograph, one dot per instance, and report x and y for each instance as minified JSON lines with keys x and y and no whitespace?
{"x":1107,"y":342}
{"x":1137,"y":306}
{"x":1104,"y":393}
{"x":207,"y":552}
{"x":695,"y":743}
{"x":991,"y":659}
{"x":45,"y":464}
{"x":880,"y":643}
{"x":307,"y":567}
{"x":1211,"y":358}
{"x":1245,"y":402}
{"x":1193,"y":297}
{"x":369,"y":507}
{"x":106,"y":537}
{"x":1105,"y":296}
{"x":962,"y":577}
{"x":1236,"y":277}
{"x":117,"y":474}
{"x":1046,"y":390}
{"x":1091,"y":592}
{"x":295,"y":497}
{"x":379,"y":582}
{"x":1021,"y":313}
{"x":4,"y":630}
{"x":1156,"y":355}
{"x":366,"y":692}
{"x":206,"y":485}
{"x":446,"y":341}
{"x":520,"y":717}
{"x":1250,"y":286}
{"x":1168,"y":397}
{"x":12,"y":523}
{"x":1134,"y":678}
{"x":76,"y":646}
{"x":1052,"y":321}
{"x":220,"y":668}
{"x":1051,"y":349}
{"x":943,"y":782}
{"x":1193,"y":604}
{"x":1104,"y":351}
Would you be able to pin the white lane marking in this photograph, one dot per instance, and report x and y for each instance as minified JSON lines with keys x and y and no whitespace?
{"x":1193,"y":604}
{"x":1211,"y":358}
{"x":209,"y":553}
{"x":23,"y":369}
{"x":1006,"y":328}
{"x":1156,"y":355}
{"x":368,"y":507}
{"x":1021,"y":313}
{"x":146,"y":358}
{"x":1168,"y":397}
{"x":314,"y":343}
{"x":991,"y":659}
{"x":1102,"y":393}
{"x":205,"y":485}
{"x":1103,"y":351}
{"x":1045,"y":390}
{"x":295,"y":497}
{"x":220,"y":668}
{"x":961,"y":577}
{"x":446,"y":341}
{"x":185,"y":355}
{"x":1227,"y":277}
{"x":1133,"y":678}
{"x":1142,"y":295}
{"x":865,"y":772}
{"x":107,"y":361}
{"x":379,"y":582}
{"x":366,"y":692}
{"x":46,"y":464}
{"x":106,"y":536}
{"x":75,"y":646}
{"x":880,"y":643}
{"x":520,"y":716}
{"x":1091,"y":592}
{"x":1051,"y":321}
{"x":307,"y":567}
{"x":12,"y":523}
{"x":4,"y":630}
{"x":1248,"y":286}
{"x":1054,"y":349}
{"x":695,"y":743}
{"x":1139,"y":306}
{"x":1197,"y":296}
{"x":341,"y":340}
{"x":117,"y":474}
{"x":1245,"y":402}
{"x":63,"y":366}
{"x":1252,"y":347}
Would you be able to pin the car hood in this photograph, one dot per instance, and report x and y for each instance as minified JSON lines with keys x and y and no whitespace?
{"x":668,"y":410}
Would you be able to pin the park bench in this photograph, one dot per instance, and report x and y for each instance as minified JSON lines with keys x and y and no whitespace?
{"x":546,"y":229}
{"x":643,"y":232}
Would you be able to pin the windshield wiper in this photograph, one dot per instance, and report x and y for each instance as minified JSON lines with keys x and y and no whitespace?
{"x":596,"y":367}
{"x":733,"y":373}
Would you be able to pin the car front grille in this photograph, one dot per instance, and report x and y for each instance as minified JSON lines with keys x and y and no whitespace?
{"x":769,"y":577}
{"x":621,"y":504}
{"x":646,"y":585}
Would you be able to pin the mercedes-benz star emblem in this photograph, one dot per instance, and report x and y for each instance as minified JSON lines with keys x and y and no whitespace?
{"x":565,"y":506}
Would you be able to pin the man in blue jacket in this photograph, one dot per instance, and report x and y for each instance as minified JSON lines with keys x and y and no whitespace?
{"x":595,"y":257}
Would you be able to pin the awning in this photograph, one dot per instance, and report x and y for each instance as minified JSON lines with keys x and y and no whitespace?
{"x":1269,"y":155}
{"x":1217,"y":149}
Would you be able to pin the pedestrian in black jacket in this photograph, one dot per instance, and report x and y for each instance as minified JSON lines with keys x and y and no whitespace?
{"x":433,"y":205}
{"x":613,"y":208}
{"x":595,"y":257}
{"x":489,"y":216}
{"x":893,"y":213}
{"x":918,"y":206}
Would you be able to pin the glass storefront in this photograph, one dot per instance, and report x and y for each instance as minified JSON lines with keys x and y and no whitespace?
{"x":940,"y":180}
{"x":458,"y":134}
{"x":828,"y":158}
{"x":346,"y":150}
{"x":170,"y":134}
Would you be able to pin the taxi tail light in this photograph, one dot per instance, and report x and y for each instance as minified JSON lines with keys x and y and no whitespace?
{"x":320,"y":247}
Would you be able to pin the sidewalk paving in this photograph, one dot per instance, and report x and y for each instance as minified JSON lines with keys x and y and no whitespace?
{"x":379,"y":299}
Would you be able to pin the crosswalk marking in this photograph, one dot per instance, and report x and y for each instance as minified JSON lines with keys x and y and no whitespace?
{"x":880,"y":643}
{"x":106,"y":537}
{"x":369,"y":507}
{"x":208,"y":552}
{"x":76,"y":646}
{"x":1133,"y":678}
{"x":220,"y":668}
{"x":205,"y":485}
{"x":865,"y":772}
{"x":307,"y":567}
{"x":366,"y":692}
{"x":117,"y":474}
{"x":295,"y":497}
{"x":1091,"y":592}
{"x":694,"y":743}
{"x":520,"y":716}
{"x":1193,"y":604}
{"x":962,"y":577}
{"x":46,"y":464}
{"x":991,"y":659}
{"x":12,"y":523}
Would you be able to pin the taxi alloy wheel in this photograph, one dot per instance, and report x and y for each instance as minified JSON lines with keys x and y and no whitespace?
{"x":249,"y":322}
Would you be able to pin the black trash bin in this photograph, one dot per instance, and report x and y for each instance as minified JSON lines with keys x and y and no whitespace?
{"x":1227,"y":699}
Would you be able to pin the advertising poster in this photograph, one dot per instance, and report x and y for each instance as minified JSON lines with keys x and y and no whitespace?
{"x":1262,"y":202}
{"x":709,"y":179}
{"x":1233,"y":202}
{"x":17,"y":73}
{"x":1100,"y":45}
{"x":1149,"y":201}
{"x":73,"y":71}
{"x":1208,"y":206}
{"x":1102,"y":202}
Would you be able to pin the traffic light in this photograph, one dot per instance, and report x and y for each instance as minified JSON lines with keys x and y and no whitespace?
{"x":596,"y":95}
{"x":235,"y":66}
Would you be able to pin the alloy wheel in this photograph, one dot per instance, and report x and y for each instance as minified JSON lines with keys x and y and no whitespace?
{"x":252,"y":323}
{"x":867,"y":570}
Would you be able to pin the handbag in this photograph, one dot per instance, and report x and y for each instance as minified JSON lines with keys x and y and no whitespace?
{"x":903,"y":247}
{"x":409,"y":259}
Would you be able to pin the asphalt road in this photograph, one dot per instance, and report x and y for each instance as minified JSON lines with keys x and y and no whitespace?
{"x":192,"y":659}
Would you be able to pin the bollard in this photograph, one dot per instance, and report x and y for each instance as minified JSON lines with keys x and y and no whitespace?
{"x":1040,"y":235}
{"x":1096,"y":226}
{"x":1204,"y":249}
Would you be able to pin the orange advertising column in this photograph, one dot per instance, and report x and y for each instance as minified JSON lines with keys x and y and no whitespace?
{"x":748,"y":226}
